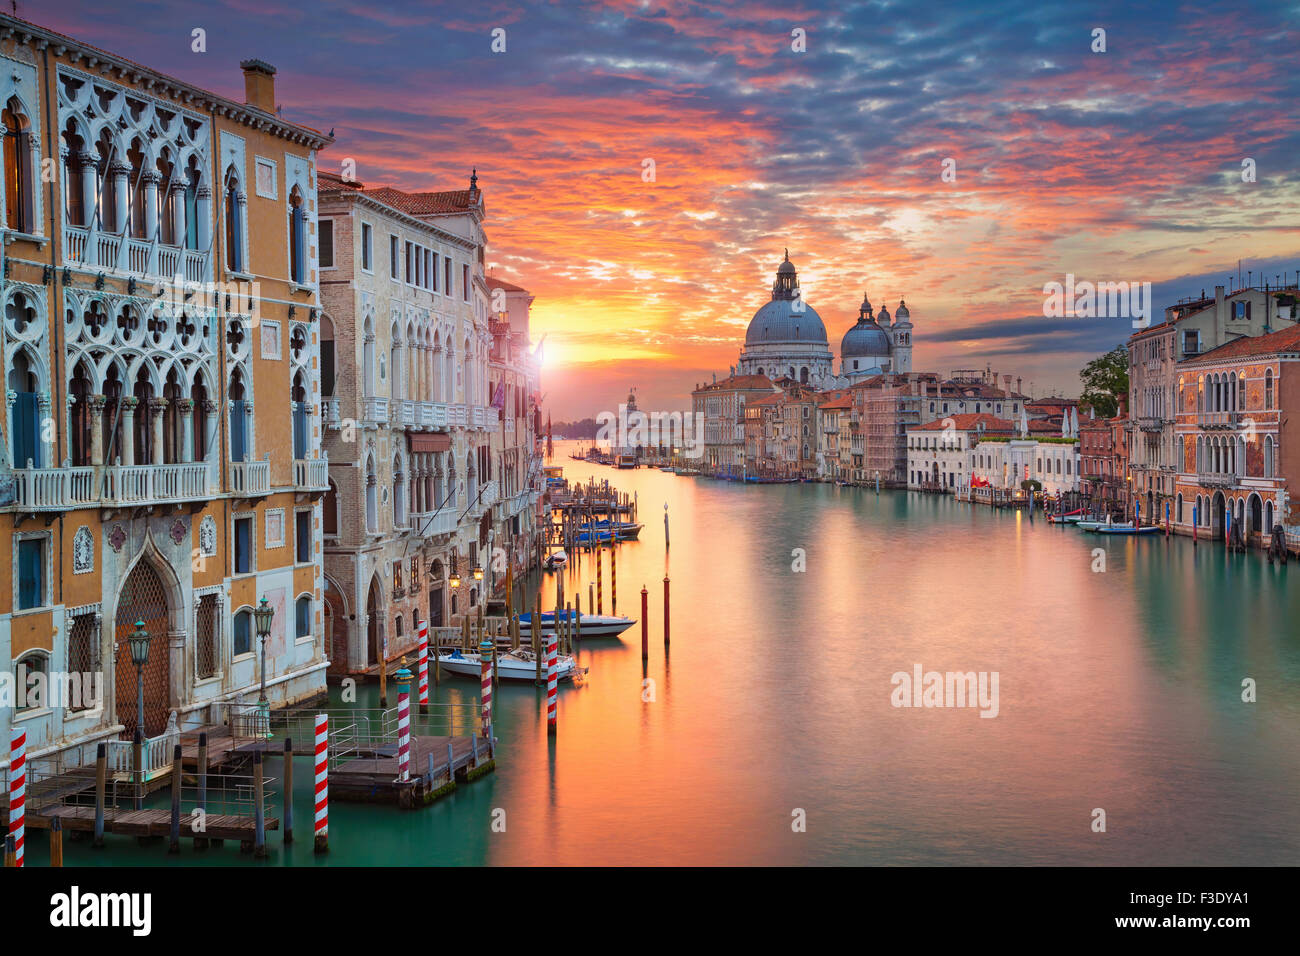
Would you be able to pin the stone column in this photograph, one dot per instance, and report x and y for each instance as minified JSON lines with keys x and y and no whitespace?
{"x":250,"y":432}
{"x":121,"y":179}
{"x":187,"y":430}
{"x":203,"y":204}
{"x":46,"y":445}
{"x":210,"y":421}
{"x":150,"y":179}
{"x":157,"y":407}
{"x":97,"y":403}
{"x":87,"y":161}
{"x":126,"y":447}
{"x":178,"y":219}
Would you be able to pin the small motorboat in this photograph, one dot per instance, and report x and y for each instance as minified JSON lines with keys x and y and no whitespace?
{"x":555,"y":560}
{"x":512,"y":665}
{"x":1070,"y":517}
{"x":1127,"y":529}
{"x":622,"y":530}
{"x":593,"y":625}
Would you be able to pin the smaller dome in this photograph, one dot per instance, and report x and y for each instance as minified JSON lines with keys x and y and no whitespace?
{"x":865,"y":308}
{"x":902,"y":314}
{"x":883,"y":318}
{"x":786,"y":267}
{"x":863,"y":340}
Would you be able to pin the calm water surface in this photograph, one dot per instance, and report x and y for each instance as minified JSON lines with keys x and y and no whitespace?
{"x":1119,"y":690}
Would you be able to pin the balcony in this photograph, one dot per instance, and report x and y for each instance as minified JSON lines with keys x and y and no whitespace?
{"x":1151,"y":423}
{"x":375,"y":409}
{"x":1218,"y":419}
{"x":55,"y":489}
{"x":1216,"y":480}
{"x":331,"y":411}
{"x":151,"y":484}
{"x":250,"y":478}
{"x":426,"y":524}
{"x":92,"y":249}
{"x":311,"y":474}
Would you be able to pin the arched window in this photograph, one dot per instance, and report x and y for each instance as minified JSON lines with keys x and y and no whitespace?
{"x":105,"y":194}
{"x":399,"y":493}
{"x":243,"y":633}
{"x":74,"y":197}
{"x":35,"y":690}
{"x":330,"y":508}
{"x":191,"y":236}
{"x":18,"y":169}
{"x":298,"y":409}
{"x":80,"y":391}
{"x":25,"y":423}
{"x":239,"y":446}
{"x":1268,"y":456}
{"x":372,"y":497}
{"x":136,"y":185}
{"x":302,"y":617}
{"x":234,"y":223}
{"x":368,"y":356}
{"x":1268,"y":388}
{"x":297,"y":237}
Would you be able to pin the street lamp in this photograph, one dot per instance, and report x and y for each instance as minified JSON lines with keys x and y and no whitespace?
{"x":139,"y":643}
{"x":478,"y":572}
{"x":262,"y":617}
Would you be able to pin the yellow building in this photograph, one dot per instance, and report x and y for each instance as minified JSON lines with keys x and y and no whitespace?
{"x":161,"y":443}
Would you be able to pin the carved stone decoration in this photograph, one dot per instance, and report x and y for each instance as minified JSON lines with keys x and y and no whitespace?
{"x":117,"y":538}
{"x":208,"y":537}
{"x":83,"y":551}
{"x":178,"y":531}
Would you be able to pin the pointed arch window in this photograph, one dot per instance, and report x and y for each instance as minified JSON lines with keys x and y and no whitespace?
{"x":25,"y":415}
{"x":234,"y":223}
{"x":18,"y":168}
{"x":297,"y":237}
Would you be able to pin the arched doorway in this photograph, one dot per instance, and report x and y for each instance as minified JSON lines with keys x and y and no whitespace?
{"x":143,"y":598}
{"x":1256,"y":513}
{"x":374,"y":622}
{"x":336,"y":628}
{"x":1217,"y":512}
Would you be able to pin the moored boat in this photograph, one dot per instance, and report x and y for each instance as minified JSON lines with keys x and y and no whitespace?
{"x":513,"y":665}
{"x":1126,"y":529}
{"x":556,"y":559}
{"x":593,"y":625}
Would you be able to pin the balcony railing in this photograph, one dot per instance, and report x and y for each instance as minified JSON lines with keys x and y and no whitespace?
{"x":426,"y":524}
{"x":249,"y":478}
{"x":91,"y":249}
{"x":1218,"y":419}
{"x":55,"y":489}
{"x":375,"y":409}
{"x":311,"y":474}
{"x":147,"y":484}
{"x":1216,"y":480}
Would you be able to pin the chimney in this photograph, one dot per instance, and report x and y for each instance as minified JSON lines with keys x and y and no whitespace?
{"x":259,"y":84}
{"x":1018,"y":381}
{"x":1007,"y":381}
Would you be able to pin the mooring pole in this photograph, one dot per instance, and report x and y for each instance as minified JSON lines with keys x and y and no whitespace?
{"x":175,"y":845}
{"x":101,"y":789}
{"x":288,"y":790}
{"x":645,"y":623}
{"x":665,"y":610}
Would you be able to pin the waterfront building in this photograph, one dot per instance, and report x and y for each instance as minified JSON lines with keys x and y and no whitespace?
{"x":1187,"y":330}
{"x":721,"y":406}
{"x":939,"y":452}
{"x":413,"y":473}
{"x":161,"y":440}
{"x":884,"y":407}
{"x":833,"y":411}
{"x":1232,"y":429}
{"x":1103,"y":479}
{"x":1005,"y":462}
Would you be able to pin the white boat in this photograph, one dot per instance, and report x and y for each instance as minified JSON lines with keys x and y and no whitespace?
{"x":593,"y":625}
{"x":556,"y":559}
{"x":512,"y":665}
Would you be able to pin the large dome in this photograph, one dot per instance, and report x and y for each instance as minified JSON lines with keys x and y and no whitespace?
{"x":864,"y":339}
{"x":787,"y":319}
{"x":777,"y":323}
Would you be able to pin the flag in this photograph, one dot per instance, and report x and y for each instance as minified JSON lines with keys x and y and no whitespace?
{"x":499,"y":399}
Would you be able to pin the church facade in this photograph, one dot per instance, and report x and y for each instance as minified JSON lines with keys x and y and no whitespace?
{"x":786,"y":338}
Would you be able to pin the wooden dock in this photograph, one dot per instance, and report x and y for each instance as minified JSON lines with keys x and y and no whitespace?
{"x":151,"y":823}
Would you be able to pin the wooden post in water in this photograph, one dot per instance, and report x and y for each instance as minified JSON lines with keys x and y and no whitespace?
{"x":613,"y":578}
{"x":464,"y":633}
{"x":510,"y":582}
{"x":600,"y":586}
{"x":577,"y":616}
{"x":383,"y":664}
{"x":101,"y":788}
{"x":56,"y":842}
{"x":137,"y":767}
{"x":174,"y":845}
{"x":514,"y":631}
{"x":259,"y":809}
{"x":535,"y":632}
{"x":645,"y":623}
{"x":11,"y":853}
{"x":665,"y":611}
{"x":288,"y":791}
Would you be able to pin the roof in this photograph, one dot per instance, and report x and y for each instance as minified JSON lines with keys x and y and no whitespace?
{"x":428,"y":203}
{"x":736,"y":382}
{"x":1286,"y":340}
{"x":966,"y":423}
{"x":495,"y":283}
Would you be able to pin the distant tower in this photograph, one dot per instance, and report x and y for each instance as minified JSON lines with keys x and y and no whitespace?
{"x":901,"y":335}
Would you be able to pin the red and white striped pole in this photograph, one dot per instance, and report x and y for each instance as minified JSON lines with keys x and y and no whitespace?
{"x":485,"y":693}
{"x":552,"y":665}
{"x":403,"y":680}
{"x":322,"y":783}
{"x":424,"y":667}
{"x":18,"y":790}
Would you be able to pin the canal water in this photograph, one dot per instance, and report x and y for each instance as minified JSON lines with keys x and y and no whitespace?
{"x":1119,"y":690}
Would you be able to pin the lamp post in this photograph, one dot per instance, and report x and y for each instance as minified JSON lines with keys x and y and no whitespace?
{"x":139,"y":642}
{"x":262,"y":618}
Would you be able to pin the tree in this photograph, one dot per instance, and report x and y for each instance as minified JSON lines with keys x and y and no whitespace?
{"x":1105,"y":378}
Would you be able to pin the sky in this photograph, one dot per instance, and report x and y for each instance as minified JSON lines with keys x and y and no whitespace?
{"x":1117,"y":165}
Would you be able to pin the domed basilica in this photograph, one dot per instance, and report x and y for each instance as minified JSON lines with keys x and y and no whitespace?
{"x":786,"y":338}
